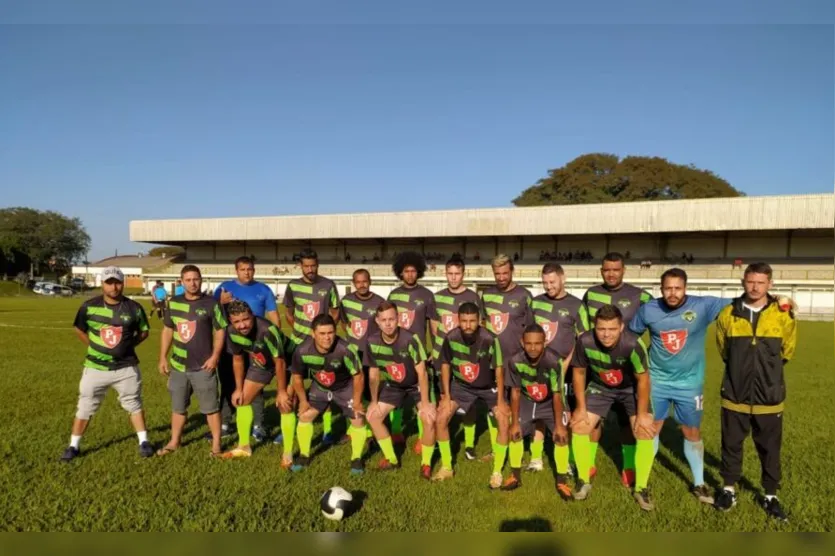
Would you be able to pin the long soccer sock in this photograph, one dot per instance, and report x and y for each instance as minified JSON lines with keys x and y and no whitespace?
{"x":592,"y":452}
{"x":561,"y":459}
{"x":644,"y":456}
{"x":516,"y":449}
{"x":492,"y":426}
{"x":446,"y":454}
{"x":368,"y":432}
{"x":288,"y":431}
{"x":244,"y":420}
{"x":327,"y":421}
{"x":426,"y":454}
{"x":420,"y":427}
{"x":627,"y":451}
{"x":305,"y":434}
{"x":469,"y":436}
{"x":695,"y":454}
{"x":536,"y":448}
{"x":499,"y":454}
{"x":571,"y":454}
{"x":396,"y":420}
{"x":582,"y":455}
{"x":388,"y":449}
{"x":357,"y":435}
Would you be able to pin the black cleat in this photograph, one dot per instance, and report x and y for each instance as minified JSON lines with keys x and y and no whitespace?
{"x":69,"y":454}
{"x":301,"y":463}
{"x":724,"y":500}
{"x":773,"y":509}
{"x":146,"y":449}
{"x":469,"y":453}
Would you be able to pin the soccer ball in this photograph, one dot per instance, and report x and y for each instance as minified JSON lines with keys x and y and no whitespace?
{"x":335,"y":503}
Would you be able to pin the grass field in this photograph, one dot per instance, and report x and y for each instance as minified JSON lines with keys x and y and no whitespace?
{"x":110,"y":488}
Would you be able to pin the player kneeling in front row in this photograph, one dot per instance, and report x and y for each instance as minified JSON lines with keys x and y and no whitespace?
{"x":617,"y":359}
{"x":336,"y":372}
{"x":263,"y":342}
{"x":537,"y":406}
{"x":399,"y":358}
{"x":471,"y":356}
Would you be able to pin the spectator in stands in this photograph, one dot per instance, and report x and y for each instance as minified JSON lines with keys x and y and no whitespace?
{"x":627,"y":255}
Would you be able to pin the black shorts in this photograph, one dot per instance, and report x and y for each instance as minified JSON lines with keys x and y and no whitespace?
{"x":395,"y":396}
{"x":261,"y":376}
{"x":319,"y":398}
{"x":467,"y":397}
{"x":600,"y":399}
{"x":530,"y":412}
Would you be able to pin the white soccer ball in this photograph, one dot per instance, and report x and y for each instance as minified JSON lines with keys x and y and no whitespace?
{"x":335,"y":503}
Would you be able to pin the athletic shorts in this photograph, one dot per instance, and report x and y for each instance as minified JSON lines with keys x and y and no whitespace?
{"x":599,"y":400}
{"x":261,"y":376}
{"x":319,"y":398}
{"x":395,"y":396}
{"x":466,"y":397}
{"x":181,"y":385}
{"x":530,"y":412}
{"x":94,"y":384}
{"x":687,"y":404}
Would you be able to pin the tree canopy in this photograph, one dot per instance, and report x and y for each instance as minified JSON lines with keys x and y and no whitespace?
{"x":605,"y":178}
{"x":42,"y":237}
{"x":166,"y":251}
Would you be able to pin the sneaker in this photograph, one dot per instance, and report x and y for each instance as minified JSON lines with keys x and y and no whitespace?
{"x":773,"y":509}
{"x":725,"y":500}
{"x":425,"y":472}
{"x":357,"y":468}
{"x":627,"y":478}
{"x":511,"y":483}
{"x":562,"y":487}
{"x":443,"y":474}
{"x":644,"y":500}
{"x":581,"y":490}
{"x":702,"y":493}
{"x":279,"y":439}
{"x":146,"y":449}
{"x":237,"y":453}
{"x":69,"y":454}
{"x":259,"y":434}
{"x":469,"y":453}
{"x":535,"y":465}
{"x":327,"y":439}
{"x":301,"y":463}
{"x":496,"y":480}
{"x":386,"y":465}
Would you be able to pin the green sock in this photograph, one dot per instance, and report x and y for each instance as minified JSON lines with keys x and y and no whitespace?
{"x":420,"y":428}
{"x":327,"y":421}
{"x":388,"y":449}
{"x":516,"y":449}
{"x":499,"y":454}
{"x":561,"y":458}
{"x":571,"y":454}
{"x":494,"y":431}
{"x":244,"y":418}
{"x":305,"y":434}
{"x":446,"y":454}
{"x":357,"y":435}
{"x":628,"y":453}
{"x":426,"y":454}
{"x":536,"y":448}
{"x":396,"y":420}
{"x":592,"y":452}
{"x":469,"y":436}
{"x":644,"y":456}
{"x":368,"y":432}
{"x":582,"y":455}
{"x":288,"y":431}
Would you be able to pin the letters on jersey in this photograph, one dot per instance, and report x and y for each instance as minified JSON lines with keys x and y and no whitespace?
{"x":450,"y":321}
{"x":186,"y":330}
{"x":259,"y":358}
{"x":674,"y":340}
{"x":111,"y":335}
{"x":406,"y":318}
{"x":612,"y":377}
{"x":499,"y":322}
{"x":397,"y":371}
{"x":311,"y":309}
{"x":469,"y":371}
{"x":325,"y":378}
{"x":358,"y":328}
{"x":537,"y":391}
{"x":550,"y":329}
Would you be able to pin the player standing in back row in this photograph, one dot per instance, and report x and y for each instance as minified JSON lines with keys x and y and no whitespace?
{"x":627,"y":298}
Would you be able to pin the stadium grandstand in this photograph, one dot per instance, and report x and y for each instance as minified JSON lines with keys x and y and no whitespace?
{"x":712,"y":239}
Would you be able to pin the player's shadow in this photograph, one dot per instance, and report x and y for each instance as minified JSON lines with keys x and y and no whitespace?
{"x":193,"y":422}
{"x":531,"y":524}
{"x":359,"y":498}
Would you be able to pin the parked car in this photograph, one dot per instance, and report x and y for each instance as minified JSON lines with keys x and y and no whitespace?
{"x":56,"y":290}
{"x":40,"y":287}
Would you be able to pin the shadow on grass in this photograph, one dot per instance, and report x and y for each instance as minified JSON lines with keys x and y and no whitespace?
{"x":531,"y":524}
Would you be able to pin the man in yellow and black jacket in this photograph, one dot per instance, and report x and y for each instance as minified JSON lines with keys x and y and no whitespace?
{"x":756,"y":339}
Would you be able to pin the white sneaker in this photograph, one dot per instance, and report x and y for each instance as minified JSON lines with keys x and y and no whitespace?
{"x":535,"y":465}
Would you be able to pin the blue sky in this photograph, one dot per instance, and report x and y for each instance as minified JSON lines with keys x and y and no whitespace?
{"x":121,"y":122}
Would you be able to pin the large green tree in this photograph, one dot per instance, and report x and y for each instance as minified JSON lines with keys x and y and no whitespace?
{"x":44,"y":238}
{"x":605,"y":178}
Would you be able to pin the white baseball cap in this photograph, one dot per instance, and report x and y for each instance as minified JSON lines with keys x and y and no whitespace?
{"x":113,"y":272}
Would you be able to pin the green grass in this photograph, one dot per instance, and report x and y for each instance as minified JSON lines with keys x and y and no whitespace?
{"x":111,"y":489}
{"x":9,"y":288}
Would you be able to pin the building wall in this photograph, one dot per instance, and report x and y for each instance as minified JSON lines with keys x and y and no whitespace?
{"x":764,"y":244}
{"x":706,"y":247}
{"x":200,"y":252}
{"x":638,"y":246}
{"x":809,"y":244}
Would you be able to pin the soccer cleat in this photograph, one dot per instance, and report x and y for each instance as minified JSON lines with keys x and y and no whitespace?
{"x":496,"y":480}
{"x":443,"y":474}
{"x":562,"y":487}
{"x":581,"y":490}
{"x":725,"y":500}
{"x":592,"y":472}
{"x":279,"y":439}
{"x":511,"y":483}
{"x":773,"y":509}
{"x":327,"y":439}
{"x":237,"y":453}
{"x":425,"y":472}
{"x":344,"y":440}
{"x":470,"y":454}
{"x":535,"y":465}
{"x":386,"y":465}
{"x":627,"y":478}
{"x":702,"y":493}
{"x":146,"y":449}
{"x":69,"y":454}
{"x":286,"y":462}
{"x":572,"y":471}
{"x":357,"y":468}
{"x":259,"y":434}
{"x":398,"y":439}
{"x":644,"y":500}
{"x":418,"y":448}
{"x":301,"y":463}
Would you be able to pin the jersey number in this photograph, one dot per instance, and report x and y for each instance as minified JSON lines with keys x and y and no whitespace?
{"x":700,"y":403}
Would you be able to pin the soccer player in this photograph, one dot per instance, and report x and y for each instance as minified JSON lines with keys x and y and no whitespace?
{"x":627,"y":298}
{"x":537,"y":405}
{"x":755,"y":341}
{"x":336,"y":377}
{"x":447,"y":303}
{"x":263,"y":345}
{"x":399,"y":358}
{"x":617,"y":361}
{"x":195,"y":325}
{"x":306,"y":298}
{"x":111,"y":326}
{"x":261,"y":301}
{"x":415,"y":308}
{"x":358,"y":312}
{"x":471,"y":370}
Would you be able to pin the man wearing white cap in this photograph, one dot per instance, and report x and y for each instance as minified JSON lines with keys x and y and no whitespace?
{"x":111,"y":326}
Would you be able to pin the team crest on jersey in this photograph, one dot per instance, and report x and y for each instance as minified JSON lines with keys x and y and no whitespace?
{"x":620,"y":360}
{"x":499,"y":322}
{"x":674,"y":340}
{"x":418,"y":302}
{"x":201,"y":312}
{"x":481,"y":354}
{"x":550,"y":329}
{"x":624,"y":303}
{"x":186,"y":330}
{"x":325,"y":378}
{"x":336,"y":364}
{"x":322,"y":293}
{"x":689,"y":316}
{"x":450,"y":321}
{"x":513,"y":303}
{"x":563,"y":312}
{"x":397,"y":371}
{"x":358,"y":328}
{"x":259,"y":358}
{"x":371,"y":312}
{"x":258,"y":345}
{"x":537,"y":392}
{"x":311,"y":309}
{"x":469,"y":371}
{"x":406,"y":318}
{"x":111,"y":335}
{"x":612,"y":377}
{"x":125,"y":318}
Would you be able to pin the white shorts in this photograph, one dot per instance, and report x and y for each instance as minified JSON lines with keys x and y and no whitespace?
{"x":127,"y":382}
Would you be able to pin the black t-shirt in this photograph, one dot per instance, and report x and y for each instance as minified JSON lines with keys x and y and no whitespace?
{"x":614,"y":367}
{"x":473,"y":364}
{"x":194,"y":323}
{"x":112,"y":331}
